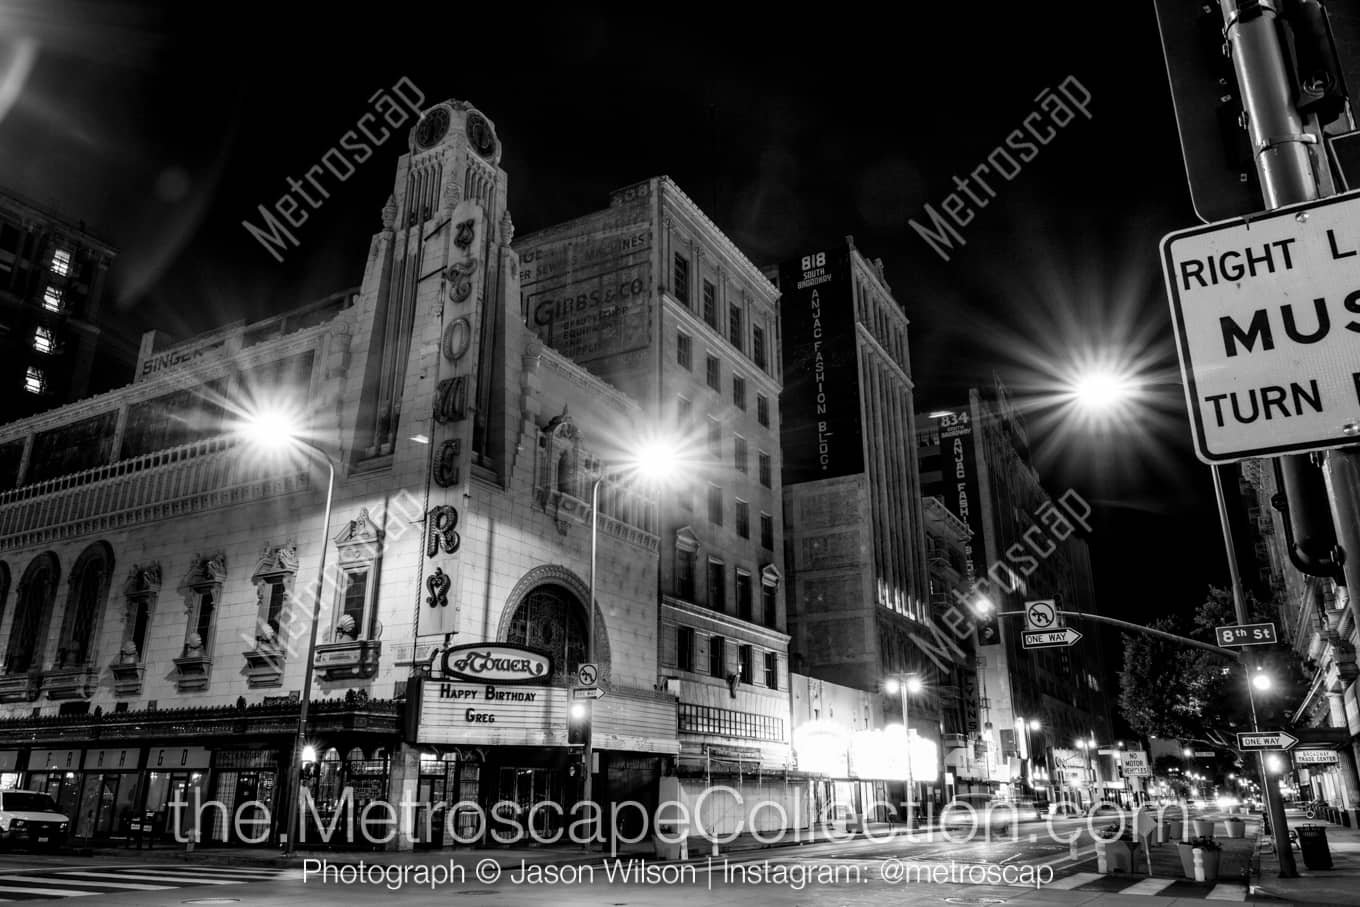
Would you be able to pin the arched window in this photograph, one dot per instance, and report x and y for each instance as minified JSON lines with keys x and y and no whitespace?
{"x":551,"y":619}
{"x":89,"y":589}
{"x":37,"y":590}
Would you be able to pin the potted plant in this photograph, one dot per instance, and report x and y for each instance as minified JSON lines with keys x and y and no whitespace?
{"x":1120,"y":847}
{"x":1237,"y":826}
{"x":1209,"y":852}
{"x":1204,"y":828}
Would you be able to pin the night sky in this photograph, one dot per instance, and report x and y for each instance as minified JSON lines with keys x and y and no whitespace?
{"x":164,"y":128}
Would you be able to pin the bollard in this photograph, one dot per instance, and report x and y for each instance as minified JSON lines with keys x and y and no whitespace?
{"x":1199,"y":864}
{"x":1072,"y":847}
{"x":1102,"y":860}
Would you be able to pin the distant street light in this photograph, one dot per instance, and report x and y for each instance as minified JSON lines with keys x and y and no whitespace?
{"x":906,"y":684}
{"x":274,"y":429}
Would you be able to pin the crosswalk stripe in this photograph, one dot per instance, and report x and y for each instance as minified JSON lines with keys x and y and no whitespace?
{"x":223,"y":870}
{"x":1227,"y":891}
{"x":50,"y":880}
{"x":1074,"y":880}
{"x":50,"y":892}
{"x":1148,"y":886}
{"x":158,"y":877}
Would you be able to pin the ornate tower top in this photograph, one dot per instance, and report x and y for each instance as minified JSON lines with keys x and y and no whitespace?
{"x":456,"y":121}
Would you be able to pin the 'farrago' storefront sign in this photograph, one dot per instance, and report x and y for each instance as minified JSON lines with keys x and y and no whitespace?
{"x":497,"y":663}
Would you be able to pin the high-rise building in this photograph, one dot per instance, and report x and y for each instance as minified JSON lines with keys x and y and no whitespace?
{"x":52,"y":276}
{"x":650,"y":296}
{"x":855,"y":539}
{"x":1025,"y":545}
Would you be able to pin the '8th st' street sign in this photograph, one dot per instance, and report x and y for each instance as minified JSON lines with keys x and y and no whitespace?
{"x":1267,"y":317}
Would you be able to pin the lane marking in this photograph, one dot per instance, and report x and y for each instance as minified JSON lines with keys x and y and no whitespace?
{"x":1227,"y":891}
{"x":1073,"y":881}
{"x":1147,"y":886}
{"x":160,"y":877}
{"x":49,"y":880}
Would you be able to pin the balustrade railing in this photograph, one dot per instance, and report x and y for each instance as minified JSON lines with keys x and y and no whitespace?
{"x":165,"y":483}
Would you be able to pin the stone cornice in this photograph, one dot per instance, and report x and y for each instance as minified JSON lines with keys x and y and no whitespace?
{"x":685,"y":205}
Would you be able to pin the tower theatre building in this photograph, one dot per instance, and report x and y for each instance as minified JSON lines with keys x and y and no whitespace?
{"x":156,"y":578}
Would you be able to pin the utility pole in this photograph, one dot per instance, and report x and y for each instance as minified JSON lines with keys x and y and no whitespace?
{"x":1280,"y":143}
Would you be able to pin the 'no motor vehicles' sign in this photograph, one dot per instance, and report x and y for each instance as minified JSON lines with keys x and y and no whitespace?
{"x":1267,"y":317}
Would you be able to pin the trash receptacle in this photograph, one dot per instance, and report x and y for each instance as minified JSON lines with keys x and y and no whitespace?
{"x":1313,"y":843}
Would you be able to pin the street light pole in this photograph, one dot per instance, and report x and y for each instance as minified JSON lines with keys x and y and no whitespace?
{"x":588,"y":750}
{"x":292,"y":829}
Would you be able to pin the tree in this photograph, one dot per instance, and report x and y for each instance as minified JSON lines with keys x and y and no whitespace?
{"x":1169,"y":689}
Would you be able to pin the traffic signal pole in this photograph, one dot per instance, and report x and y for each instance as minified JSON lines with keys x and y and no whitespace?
{"x":1280,"y":145}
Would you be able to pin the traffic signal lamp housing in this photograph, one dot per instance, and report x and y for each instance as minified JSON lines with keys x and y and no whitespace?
{"x":578,"y":722}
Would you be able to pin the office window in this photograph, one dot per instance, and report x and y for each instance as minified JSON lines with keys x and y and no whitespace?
{"x":61,"y":262}
{"x":717,"y":585}
{"x":763,"y":410}
{"x":684,"y":410}
{"x":714,"y":437}
{"x":681,"y":279}
{"x":758,"y":346}
{"x":34,"y":380}
{"x":52,"y":299}
{"x":713,"y":372}
{"x":684,"y":495}
{"x":744,"y":666}
{"x":717,"y":656}
{"x":715,"y":505}
{"x":684,"y":648}
{"x":740,"y":457}
{"x":739,"y":392}
{"x":772,"y":670}
{"x":743,"y":519}
{"x":769,"y":607}
{"x":683,"y":349}
{"x":734,"y":325}
{"x":744,"y":601}
{"x":684,"y":573}
{"x":43,"y":341}
{"x":766,"y":473}
{"x":711,"y":305}
{"x":767,"y":532}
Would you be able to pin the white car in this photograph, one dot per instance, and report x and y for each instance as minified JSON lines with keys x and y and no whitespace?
{"x":31,"y":818}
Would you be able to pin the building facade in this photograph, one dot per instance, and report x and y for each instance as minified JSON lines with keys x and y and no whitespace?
{"x":1316,"y":618}
{"x":651,"y":297}
{"x":855,"y":543}
{"x":158,"y":573}
{"x":52,"y":281}
{"x":975,"y":458}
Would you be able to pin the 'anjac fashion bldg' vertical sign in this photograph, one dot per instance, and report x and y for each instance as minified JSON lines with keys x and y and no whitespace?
{"x":819,"y":407}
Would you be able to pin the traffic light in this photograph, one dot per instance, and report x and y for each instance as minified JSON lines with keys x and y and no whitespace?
{"x":578,"y":723}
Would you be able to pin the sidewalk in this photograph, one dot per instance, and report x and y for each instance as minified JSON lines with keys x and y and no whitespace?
{"x":1338,"y":885}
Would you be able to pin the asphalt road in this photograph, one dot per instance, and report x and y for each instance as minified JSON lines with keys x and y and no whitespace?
{"x":926,"y":870}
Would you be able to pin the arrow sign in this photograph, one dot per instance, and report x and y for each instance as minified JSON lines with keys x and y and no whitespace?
{"x":587,"y":693}
{"x":1049,"y":639}
{"x":1267,"y":740}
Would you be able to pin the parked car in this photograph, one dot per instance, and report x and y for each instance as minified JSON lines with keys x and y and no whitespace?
{"x":980,"y":815}
{"x":31,"y":818}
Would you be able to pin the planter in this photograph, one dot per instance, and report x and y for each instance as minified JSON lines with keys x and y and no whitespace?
{"x":1119,"y":855}
{"x":1210,"y":859}
{"x":1237,"y":828}
{"x":1175,"y":830}
{"x":1204,"y":828}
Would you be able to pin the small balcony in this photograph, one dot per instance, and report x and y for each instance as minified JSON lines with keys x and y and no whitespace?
{"x":22,"y":687}
{"x":70,"y":683}
{"x":347,"y":660}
